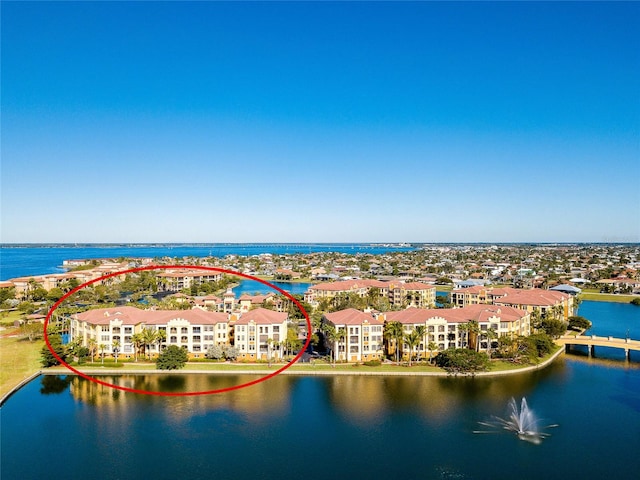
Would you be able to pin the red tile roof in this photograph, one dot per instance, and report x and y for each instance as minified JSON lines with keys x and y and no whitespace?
{"x":135,"y":316}
{"x":351,"y":316}
{"x":262,"y":316}
{"x":480,"y":313}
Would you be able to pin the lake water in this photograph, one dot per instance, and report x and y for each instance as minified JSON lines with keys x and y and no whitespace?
{"x":343,"y":427}
{"x":37,"y":260}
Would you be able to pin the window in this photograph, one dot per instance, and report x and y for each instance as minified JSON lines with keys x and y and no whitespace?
{"x":174,"y":330}
{"x":196,"y":348}
{"x":104,"y":338}
{"x":276,"y":328}
{"x":196,"y":338}
{"x":196,"y":330}
{"x":127,"y":330}
{"x":441,"y":328}
{"x":353,"y":339}
{"x":174,"y":340}
{"x":184,"y":339}
{"x":184,"y":330}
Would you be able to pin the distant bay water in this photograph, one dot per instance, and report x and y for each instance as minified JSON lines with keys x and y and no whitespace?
{"x":24,"y":260}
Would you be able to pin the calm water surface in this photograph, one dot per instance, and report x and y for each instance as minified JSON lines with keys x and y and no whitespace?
{"x":349,"y":427}
{"x":37,"y":260}
{"x":356,"y":427}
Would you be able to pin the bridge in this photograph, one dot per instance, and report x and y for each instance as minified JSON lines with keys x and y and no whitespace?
{"x":592,"y":341}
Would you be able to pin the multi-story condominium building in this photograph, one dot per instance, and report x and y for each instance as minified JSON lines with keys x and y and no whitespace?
{"x":195,"y":330}
{"x":443,"y":325}
{"x":544,"y":301}
{"x":362,"y":335}
{"x":23,"y":285}
{"x":259,"y":334}
{"x":398,"y":293}
{"x":247,"y":302}
{"x":176,"y":280}
{"x":415,"y":294}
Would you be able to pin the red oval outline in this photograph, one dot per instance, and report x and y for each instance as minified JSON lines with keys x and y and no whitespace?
{"x":178,"y":394}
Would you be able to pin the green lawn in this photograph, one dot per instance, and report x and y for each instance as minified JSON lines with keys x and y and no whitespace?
{"x":607,"y":297}
{"x":18,"y":360}
{"x":7,"y":317}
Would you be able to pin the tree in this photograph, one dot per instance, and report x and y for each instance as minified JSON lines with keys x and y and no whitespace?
{"x":31,"y":330}
{"x":553,"y":327}
{"x":422,"y":333}
{"x":54,"y":294}
{"x":463,"y":331}
{"x":215,"y":352}
{"x":93,"y":348}
{"x":394,"y":331}
{"x":635,"y":301}
{"x":172,"y":358}
{"x":473,"y":330}
{"x":148,"y":338}
{"x":579,"y":323}
{"x":412,"y":339}
{"x":269,"y":347}
{"x":490,"y":334}
{"x":231,"y":352}
{"x":138,"y":342}
{"x":161,"y":337}
{"x":115,"y":348}
{"x":432,"y":346}
{"x":102,"y":348}
{"x":462,"y":360}
{"x":333,"y":336}
{"x":48,"y":359}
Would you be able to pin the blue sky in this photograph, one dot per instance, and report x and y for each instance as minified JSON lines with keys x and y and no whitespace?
{"x":297,"y":122}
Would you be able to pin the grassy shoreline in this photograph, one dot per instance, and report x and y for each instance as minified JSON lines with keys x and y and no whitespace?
{"x":607,"y":297}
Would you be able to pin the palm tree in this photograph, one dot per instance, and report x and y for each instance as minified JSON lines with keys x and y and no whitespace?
{"x":102,"y":347}
{"x":148,"y":337}
{"x":269,"y":344}
{"x":115,"y":347}
{"x":93,"y":347}
{"x":395,"y":331}
{"x":332,"y":335}
{"x":535,"y":318}
{"x":474,"y":331}
{"x":422,"y":332}
{"x":160,"y":338}
{"x":412,"y":339}
{"x":432,"y":346}
{"x":463,"y":330}
{"x":490,"y":334}
{"x":137,"y":341}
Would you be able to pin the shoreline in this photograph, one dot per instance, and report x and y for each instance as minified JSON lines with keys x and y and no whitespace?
{"x":358,"y":371}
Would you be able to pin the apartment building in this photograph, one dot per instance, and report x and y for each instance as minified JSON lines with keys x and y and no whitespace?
{"x":398,"y":293}
{"x":544,"y":301}
{"x":176,"y":280}
{"x":362,"y":335}
{"x":442,"y":326}
{"x":259,"y":334}
{"x":195,"y":330}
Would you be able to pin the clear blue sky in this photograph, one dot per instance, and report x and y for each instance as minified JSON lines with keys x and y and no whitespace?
{"x":295,"y":122}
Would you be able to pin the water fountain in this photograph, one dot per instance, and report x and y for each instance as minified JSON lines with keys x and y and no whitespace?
{"x":521,"y":421}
